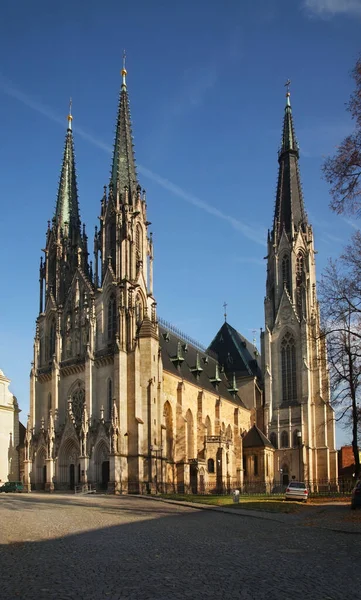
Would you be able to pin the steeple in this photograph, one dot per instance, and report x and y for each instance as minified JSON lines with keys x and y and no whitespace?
{"x":123,"y":173}
{"x":290,"y":214}
{"x":67,"y":206}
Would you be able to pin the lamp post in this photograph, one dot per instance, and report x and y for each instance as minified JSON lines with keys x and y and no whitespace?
{"x":299,"y":438}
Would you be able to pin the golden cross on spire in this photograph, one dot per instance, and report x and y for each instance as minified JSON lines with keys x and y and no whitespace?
{"x":287,"y":85}
{"x":70,"y":118}
{"x":124,"y":71}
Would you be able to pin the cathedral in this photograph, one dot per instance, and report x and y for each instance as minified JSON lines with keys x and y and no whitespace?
{"x":124,"y":402}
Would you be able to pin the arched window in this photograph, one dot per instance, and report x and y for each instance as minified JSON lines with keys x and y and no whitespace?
{"x":52,"y":339}
{"x":286,"y":274}
{"x":288,"y":365}
{"x":273,"y":439}
{"x":168,"y":418}
{"x":190,"y":435}
{"x":284,"y":439}
{"x":110,"y":398}
{"x":296,"y":438}
{"x":78,"y":399}
{"x":112,"y":318}
{"x":255,"y":465}
{"x":210,"y":465}
{"x":208,"y":426}
{"x":49,"y":401}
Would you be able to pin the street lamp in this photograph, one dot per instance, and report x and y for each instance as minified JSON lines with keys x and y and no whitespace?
{"x":299,"y":438}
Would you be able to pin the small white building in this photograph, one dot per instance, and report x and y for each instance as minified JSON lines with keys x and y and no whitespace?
{"x":9,"y":432}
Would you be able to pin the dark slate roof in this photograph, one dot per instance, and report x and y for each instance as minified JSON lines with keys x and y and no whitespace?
{"x":255,"y":438}
{"x":169,"y":346}
{"x":236,"y":353}
{"x":289,"y":199}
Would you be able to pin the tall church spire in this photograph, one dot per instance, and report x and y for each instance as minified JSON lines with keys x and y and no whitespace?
{"x":123,"y":173}
{"x":67,"y":205}
{"x":290,"y":213}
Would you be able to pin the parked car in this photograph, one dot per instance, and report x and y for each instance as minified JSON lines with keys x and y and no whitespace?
{"x":296,"y":490}
{"x":356,"y":495}
{"x":12,"y":486}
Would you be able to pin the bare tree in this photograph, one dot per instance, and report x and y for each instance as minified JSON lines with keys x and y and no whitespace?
{"x":340,"y":300}
{"x":343,"y":171}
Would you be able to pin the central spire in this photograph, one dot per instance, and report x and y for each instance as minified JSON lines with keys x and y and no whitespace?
{"x":123,"y":173}
{"x":67,"y":205}
{"x":290,"y":214}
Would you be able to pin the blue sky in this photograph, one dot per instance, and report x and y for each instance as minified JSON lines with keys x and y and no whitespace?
{"x":206,"y":84}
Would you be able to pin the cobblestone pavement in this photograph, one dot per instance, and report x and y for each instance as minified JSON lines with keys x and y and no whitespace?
{"x":67,"y":547}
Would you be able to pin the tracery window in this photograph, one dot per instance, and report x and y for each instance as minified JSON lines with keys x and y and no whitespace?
{"x":288,"y":365}
{"x":78,"y":400}
{"x":273,"y":440}
{"x":284,"y":439}
{"x":286,"y":273}
{"x":112,"y":318}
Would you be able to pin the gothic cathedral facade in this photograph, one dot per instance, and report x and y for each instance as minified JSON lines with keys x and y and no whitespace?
{"x":124,"y":402}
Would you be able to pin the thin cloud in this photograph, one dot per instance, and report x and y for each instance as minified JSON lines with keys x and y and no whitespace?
{"x":330,"y":8}
{"x":351,"y":223}
{"x":250,"y":260}
{"x":256,"y":234}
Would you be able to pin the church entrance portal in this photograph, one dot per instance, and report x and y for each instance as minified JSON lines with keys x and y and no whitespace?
{"x":105,"y":474}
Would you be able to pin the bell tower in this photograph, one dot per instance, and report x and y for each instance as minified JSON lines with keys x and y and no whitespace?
{"x":299,"y":419}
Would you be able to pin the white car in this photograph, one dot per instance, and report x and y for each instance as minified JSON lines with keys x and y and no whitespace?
{"x":296,"y":490}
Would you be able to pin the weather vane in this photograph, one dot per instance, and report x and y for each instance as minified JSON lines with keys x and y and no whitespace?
{"x":287,"y":85}
{"x":225,"y":310}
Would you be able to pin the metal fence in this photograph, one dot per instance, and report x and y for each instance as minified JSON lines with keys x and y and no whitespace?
{"x":319,"y":487}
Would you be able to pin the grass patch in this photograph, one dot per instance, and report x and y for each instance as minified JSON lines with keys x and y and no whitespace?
{"x":275,"y":503}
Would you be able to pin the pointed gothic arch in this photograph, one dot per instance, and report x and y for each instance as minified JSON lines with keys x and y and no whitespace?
{"x":208,"y":426}
{"x":288,"y":368}
{"x":69,"y":466}
{"x":229,"y":432}
{"x":168,"y":421}
{"x":284,"y":439}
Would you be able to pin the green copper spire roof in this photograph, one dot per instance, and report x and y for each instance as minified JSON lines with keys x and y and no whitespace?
{"x":289,"y":208}
{"x":123,"y":171}
{"x":67,"y":206}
